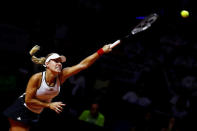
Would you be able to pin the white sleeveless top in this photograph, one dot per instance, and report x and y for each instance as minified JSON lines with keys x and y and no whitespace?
{"x":45,"y":93}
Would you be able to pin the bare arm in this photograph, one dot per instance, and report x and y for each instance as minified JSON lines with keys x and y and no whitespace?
{"x":30,"y":99}
{"x":31,"y":89}
{"x":84,"y":64}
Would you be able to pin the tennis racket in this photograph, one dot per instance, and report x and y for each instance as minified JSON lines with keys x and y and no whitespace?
{"x":142,"y":26}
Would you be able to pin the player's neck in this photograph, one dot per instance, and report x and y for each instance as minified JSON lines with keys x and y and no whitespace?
{"x":50,"y":77}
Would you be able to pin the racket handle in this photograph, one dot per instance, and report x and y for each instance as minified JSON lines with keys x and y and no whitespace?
{"x":115,"y":44}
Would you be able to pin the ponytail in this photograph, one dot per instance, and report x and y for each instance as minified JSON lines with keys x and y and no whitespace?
{"x":36,"y":60}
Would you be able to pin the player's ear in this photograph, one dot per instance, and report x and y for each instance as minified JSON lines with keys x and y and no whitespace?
{"x":46,"y":64}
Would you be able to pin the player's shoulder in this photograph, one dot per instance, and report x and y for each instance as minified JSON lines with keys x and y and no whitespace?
{"x":36,"y":76}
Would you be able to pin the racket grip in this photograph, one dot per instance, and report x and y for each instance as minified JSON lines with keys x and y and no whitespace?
{"x":115,"y":44}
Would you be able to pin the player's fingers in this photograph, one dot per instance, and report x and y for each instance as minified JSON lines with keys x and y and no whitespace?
{"x":58,"y":110}
{"x":60,"y":107}
{"x":62,"y":104}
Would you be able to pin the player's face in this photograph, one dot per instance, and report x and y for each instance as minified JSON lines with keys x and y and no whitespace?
{"x":55,"y":65}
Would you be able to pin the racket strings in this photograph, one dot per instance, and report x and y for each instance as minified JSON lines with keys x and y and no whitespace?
{"x":145,"y":24}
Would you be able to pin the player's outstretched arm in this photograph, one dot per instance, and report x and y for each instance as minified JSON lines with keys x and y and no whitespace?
{"x":84,"y":64}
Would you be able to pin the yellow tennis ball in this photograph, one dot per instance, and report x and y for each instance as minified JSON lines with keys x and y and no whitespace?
{"x":184,"y":13}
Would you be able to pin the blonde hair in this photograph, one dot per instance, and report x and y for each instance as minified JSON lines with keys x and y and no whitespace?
{"x":35,"y":59}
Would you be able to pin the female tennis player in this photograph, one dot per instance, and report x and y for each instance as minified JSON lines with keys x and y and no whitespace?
{"x":42,"y":87}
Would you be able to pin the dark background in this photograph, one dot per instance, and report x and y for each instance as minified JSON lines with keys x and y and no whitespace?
{"x":158,"y":64}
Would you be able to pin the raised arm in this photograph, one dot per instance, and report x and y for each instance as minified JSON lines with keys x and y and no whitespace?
{"x":84,"y":64}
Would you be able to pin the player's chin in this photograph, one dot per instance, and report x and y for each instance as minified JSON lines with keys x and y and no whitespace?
{"x":58,"y":70}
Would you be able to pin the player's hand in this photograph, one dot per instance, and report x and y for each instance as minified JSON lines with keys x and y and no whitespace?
{"x":106,"y":48}
{"x":56,"y":106}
